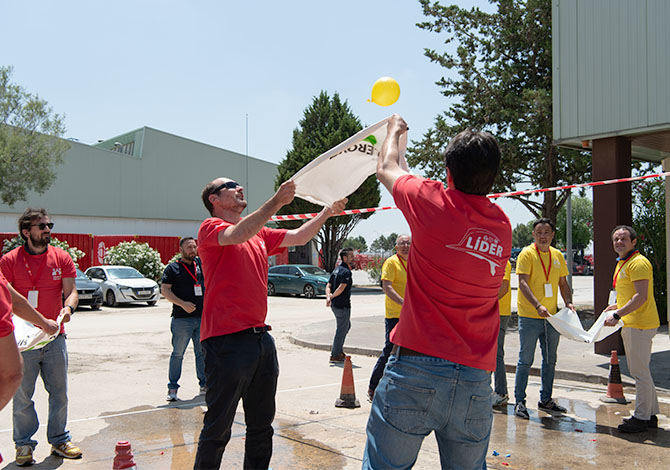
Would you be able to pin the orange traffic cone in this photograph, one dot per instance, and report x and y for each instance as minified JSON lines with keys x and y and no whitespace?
{"x":123,"y":460}
{"x":347,"y":392}
{"x":614,"y":386}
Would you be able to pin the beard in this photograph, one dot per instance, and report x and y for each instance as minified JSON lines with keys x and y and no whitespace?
{"x":41,"y":241}
{"x":187,"y":258}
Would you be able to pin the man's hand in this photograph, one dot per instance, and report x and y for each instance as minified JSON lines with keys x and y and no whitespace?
{"x":328,"y":301}
{"x":338,"y":207}
{"x":543,"y":312}
{"x":285,"y":193}
{"x":65,"y":311}
{"x":610,"y":320}
{"x":610,"y":308}
{"x":570,"y":306}
{"x":189,"y":307}
{"x":50,"y":327}
{"x":396,"y":125}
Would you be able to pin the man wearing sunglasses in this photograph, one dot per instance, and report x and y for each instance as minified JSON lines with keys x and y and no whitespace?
{"x":44,"y":275}
{"x":240,"y":355}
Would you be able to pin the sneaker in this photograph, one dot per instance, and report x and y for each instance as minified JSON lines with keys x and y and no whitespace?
{"x":521,"y":411}
{"x":67,"y":450}
{"x":500,"y":400}
{"x":652,"y":422}
{"x":551,"y":405}
{"x":203,"y":390}
{"x":24,"y":456}
{"x":634,"y":425}
{"x":172,"y":395}
{"x":339,"y":358}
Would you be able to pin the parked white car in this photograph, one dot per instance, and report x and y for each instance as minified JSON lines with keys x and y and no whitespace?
{"x":123,"y":284}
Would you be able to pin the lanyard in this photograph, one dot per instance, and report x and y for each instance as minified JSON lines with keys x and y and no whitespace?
{"x":403,"y":263}
{"x":616,"y":274}
{"x":546,"y":273}
{"x":39,"y":270}
{"x":189,"y":271}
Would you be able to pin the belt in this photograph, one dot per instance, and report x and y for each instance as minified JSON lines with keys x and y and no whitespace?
{"x":400,"y":351}
{"x":257,"y":329}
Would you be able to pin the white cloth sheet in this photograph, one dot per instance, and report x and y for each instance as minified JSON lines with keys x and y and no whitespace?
{"x":567,"y":323}
{"x":29,"y":337}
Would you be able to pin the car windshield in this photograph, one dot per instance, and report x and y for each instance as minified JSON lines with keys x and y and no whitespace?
{"x":315,"y":271}
{"x":124,"y":273}
{"x":81,"y":275}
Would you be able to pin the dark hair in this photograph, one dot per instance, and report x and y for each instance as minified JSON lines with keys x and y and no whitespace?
{"x":473,"y":159}
{"x":184,"y":240}
{"x":345,"y":252}
{"x":544,"y":220}
{"x":28,"y":217}
{"x":206,"y":192}
{"x":631,"y":231}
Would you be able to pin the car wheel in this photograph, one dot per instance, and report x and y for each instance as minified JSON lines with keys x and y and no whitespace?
{"x":95,"y":306}
{"x":309,"y":291}
{"x":151,"y":303}
{"x":271,"y":288}
{"x":111,"y":298}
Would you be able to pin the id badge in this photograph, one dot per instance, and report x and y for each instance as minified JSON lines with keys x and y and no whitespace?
{"x":198,"y":290}
{"x":612,"y":298}
{"x":32,"y":298}
{"x":548,"y":291}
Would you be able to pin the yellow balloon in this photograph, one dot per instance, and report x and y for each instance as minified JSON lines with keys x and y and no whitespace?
{"x":385,"y":91}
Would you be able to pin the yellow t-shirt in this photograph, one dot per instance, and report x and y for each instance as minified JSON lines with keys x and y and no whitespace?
{"x":394,"y":271}
{"x":529,"y":263}
{"x":505,"y":303}
{"x":637,"y":268}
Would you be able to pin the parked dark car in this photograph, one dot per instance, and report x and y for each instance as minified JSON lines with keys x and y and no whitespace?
{"x":89,"y":292}
{"x":304,"y":279}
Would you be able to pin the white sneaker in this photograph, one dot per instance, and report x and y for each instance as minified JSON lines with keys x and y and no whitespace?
{"x":172,"y":395}
{"x":500,"y":400}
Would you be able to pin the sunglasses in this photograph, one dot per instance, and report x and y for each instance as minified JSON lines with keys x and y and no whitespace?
{"x":227,"y":185}
{"x":42,"y":225}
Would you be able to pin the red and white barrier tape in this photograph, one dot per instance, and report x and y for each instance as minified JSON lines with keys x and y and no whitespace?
{"x":492,"y":196}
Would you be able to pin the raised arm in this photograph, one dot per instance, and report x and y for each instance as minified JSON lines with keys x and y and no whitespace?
{"x":308,"y":230}
{"x":388,"y":164}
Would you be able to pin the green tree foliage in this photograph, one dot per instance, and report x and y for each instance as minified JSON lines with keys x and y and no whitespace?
{"x":503,"y":84}
{"x":649,"y":222}
{"x":30,"y":144}
{"x":326,"y":123}
{"x":385,"y":244}
{"x":74,"y":252}
{"x":137,"y":255}
{"x":582,"y":223}
{"x":522,"y":235}
{"x":356,"y":243}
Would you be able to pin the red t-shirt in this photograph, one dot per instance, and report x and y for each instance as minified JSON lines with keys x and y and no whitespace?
{"x":6,"y":325}
{"x":460,"y":245}
{"x":45,"y":273}
{"x":236,"y":278}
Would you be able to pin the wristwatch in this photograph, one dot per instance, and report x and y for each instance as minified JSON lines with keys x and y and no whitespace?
{"x":616,"y":315}
{"x":71,"y":309}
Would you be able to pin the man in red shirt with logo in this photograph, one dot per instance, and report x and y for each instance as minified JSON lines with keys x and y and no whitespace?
{"x":438,"y":377}
{"x":43,"y":274}
{"x":240,"y":355}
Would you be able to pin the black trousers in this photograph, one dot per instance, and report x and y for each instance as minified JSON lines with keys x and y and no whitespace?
{"x":240,"y":365}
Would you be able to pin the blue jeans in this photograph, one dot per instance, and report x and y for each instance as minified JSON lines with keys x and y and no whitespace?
{"x":51,"y":363}
{"x":239,"y":365}
{"x":500,"y":379}
{"x":530,"y":330}
{"x":378,"y":371}
{"x":342,"y":318}
{"x":420,"y":394}
{"x":185,"y":330}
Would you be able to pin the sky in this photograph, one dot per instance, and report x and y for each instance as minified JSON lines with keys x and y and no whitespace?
{"x":197,"y":69}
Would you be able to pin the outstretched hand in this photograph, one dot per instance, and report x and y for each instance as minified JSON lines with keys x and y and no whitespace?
{"x":285,"y":193}
{"x":396,"y":125}
{"x":338,"y":207}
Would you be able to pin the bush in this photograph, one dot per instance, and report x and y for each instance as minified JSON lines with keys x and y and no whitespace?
{"x":175,"y":257}
{"x":74,"y":252}
{"x":139,"y":256}
{"x":374,"y":268}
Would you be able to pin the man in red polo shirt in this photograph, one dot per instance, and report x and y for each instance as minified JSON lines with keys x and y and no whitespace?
{"x":438,"y":377}
{"x":240,"y":355}
{"x":43,"y":274}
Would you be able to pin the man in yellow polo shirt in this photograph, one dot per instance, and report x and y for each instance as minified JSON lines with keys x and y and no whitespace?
{"x":542,"y":273}
{"x":500,"y":396}
{"x":394,"y":280}
{"x":633,"y":285}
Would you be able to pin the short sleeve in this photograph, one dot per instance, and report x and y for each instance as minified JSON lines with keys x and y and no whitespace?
{"x":508,"y":272}
{"x":273,"y":238}
{"x":346,"y":279}
{"x":389,"y":270}
{"x":6,"y":324}
{"x":208,"y":235}
{"x":639,"y":270}
{"x":524,"y":263}
{"x":68,"y":267}
{"x":168,"y":274}
{"x":6,"y":267}
{"x":331,"y":279}
{"x":564,"y":266}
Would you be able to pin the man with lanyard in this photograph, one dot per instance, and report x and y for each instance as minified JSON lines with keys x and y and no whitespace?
{"x":43,"y":274}
{"x":338,"y":298}
{"x":542,"y":273}
{"x":500,"y":396}
{"x":632,"y":301}
{"x":394,"y":280}
{"x":438,"y":377}
{"x":183,"y":285}
{"x":240,"y":355}
{"x":11,"y":364}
